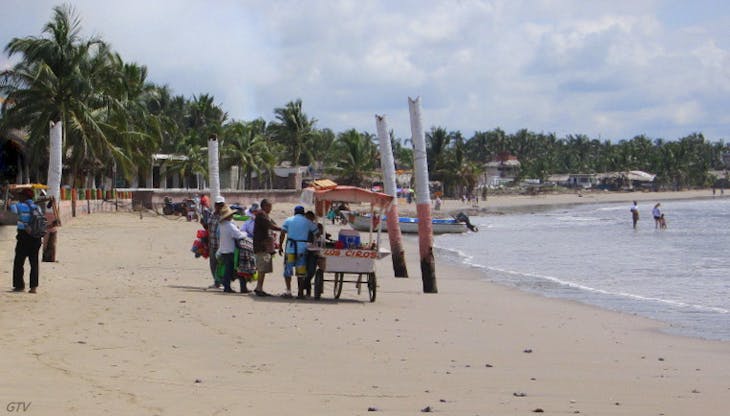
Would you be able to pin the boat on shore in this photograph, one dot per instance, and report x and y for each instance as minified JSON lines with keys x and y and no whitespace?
{"x":409,"y":225}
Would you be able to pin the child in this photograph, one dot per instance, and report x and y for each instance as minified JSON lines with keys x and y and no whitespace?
{"x":662,"y":222}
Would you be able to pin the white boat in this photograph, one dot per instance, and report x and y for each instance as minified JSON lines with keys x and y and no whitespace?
{"x":410,"y":224}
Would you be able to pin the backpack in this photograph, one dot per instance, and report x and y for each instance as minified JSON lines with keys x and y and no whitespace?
{"x":37,"y":225}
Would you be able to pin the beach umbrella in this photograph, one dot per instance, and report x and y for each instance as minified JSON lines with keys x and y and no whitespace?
{"x":388,"y":165}
{"x":423,"y":199}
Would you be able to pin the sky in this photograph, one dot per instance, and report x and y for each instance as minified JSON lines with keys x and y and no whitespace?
{"x":609,"y":69}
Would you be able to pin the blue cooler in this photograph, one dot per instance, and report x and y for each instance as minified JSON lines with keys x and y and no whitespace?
{"x":350,"y":238}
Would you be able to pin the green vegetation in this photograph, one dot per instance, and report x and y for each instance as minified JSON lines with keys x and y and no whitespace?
{"x":114,"y":119}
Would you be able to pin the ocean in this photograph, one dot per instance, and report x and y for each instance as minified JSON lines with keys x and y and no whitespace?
{"x":591,"y":254}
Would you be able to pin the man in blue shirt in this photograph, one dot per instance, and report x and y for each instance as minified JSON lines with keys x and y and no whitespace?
{"x":296,"y":229}
{"x":26,"y":246}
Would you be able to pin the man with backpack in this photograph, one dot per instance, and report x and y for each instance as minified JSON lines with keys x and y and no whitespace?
{"x":29,"y":238}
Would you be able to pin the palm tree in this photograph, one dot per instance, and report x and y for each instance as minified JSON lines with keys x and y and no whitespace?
{"x":320,"y":147}
{"x":294,"y":130}
{"x":138,"y":132}
{"x":478,"y":147}
{"x":61,"y":76}
{"x":205,"y":118}
{"x":357,"y":155}
{"x":245,"y":145}
{"x":193,"y":161}
{"x":402,"y":154}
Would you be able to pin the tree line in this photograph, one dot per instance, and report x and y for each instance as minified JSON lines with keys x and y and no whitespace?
{"x":114,"y":119}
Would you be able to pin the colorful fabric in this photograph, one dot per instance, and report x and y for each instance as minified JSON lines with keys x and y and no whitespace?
{"x":213,"y":223}
{"x":295,"y":262}
{"x":246,"y":258}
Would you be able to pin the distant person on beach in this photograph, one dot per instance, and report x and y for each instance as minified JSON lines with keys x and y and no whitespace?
{"x":228,"y":233}
{"x":635,"y":213}
{"x":26,"y":245}
{"x":662,"y":222}
{"x":248,"y":226}
{"x":205,"y":211}
{"x":211,"y":225}
{"x":657,"y":214}
{"x":295,"y":232}
{"x":263,"y":244}
{"x":332,"y":214}
{"x":203,"y":208}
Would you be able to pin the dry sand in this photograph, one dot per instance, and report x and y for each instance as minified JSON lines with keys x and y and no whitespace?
{"x":122,"y":325}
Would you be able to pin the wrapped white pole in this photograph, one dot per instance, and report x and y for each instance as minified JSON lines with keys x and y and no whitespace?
{"x":55,"y":161}
{"x":388,"y":166}
{"x":55,"y":170}
{"x":423,"y":199}
{"x":213,"y":172}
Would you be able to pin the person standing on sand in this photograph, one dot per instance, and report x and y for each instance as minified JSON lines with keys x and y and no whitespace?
{"x":635,"y":213}
{"x":26,"y":246}
{"x":228,"y":233}
{"x":204,"y":209}
{"x":314,"y":238}
{"x":263,"y":244}
{"x":657,"y":214}
{"x":212,"y":223}
{"x":248,"y":226}
{"x":295,"y":230}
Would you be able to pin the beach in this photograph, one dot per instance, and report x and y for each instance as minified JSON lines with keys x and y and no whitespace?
{"x":123,"y":324}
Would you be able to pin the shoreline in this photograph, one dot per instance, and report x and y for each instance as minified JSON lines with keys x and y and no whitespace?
{"x":510,"y":205}
{"x":505,"y":204}
{"x":122,"y":324}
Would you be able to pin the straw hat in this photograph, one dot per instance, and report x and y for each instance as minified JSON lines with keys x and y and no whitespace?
{"x":226,"y":212}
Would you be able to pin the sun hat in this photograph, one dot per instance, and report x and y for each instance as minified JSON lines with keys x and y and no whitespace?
{"x":226,"y":212}
{"x":220,"y":200}
{"x":298,"y":209}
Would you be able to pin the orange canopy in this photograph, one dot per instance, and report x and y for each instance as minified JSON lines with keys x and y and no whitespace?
{"x":342,"y":193}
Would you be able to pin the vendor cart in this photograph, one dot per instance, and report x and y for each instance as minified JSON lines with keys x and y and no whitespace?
{"x":350,"y":256}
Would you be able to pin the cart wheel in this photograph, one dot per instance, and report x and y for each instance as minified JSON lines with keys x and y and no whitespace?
{"x":339,"y":279}
{"x":372,"y":286}
{"x":318,"y":284}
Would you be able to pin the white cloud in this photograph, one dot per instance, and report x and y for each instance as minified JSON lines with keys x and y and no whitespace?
{"x":613,"y":69}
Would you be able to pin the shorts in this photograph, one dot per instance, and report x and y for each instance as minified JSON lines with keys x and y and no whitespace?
{"x":264,"y":263}
{"x":296,"y":262}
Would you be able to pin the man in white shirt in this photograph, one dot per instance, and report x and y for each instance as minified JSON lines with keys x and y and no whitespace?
{"x":228,"y":233}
